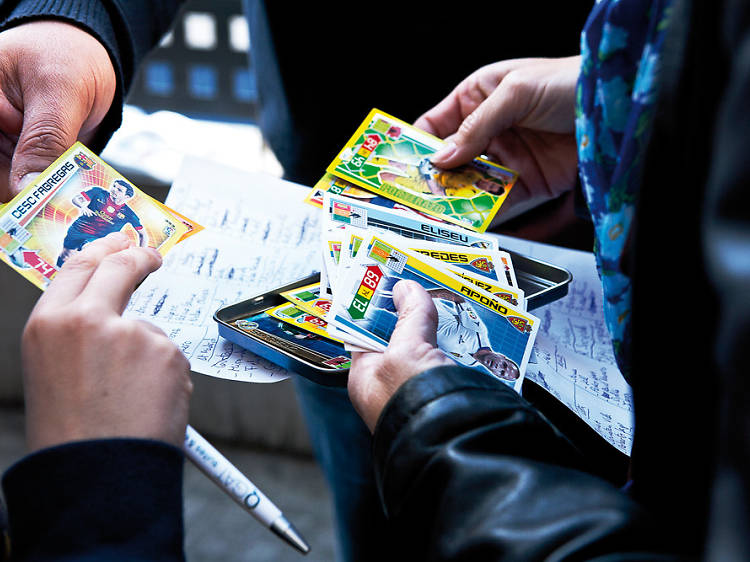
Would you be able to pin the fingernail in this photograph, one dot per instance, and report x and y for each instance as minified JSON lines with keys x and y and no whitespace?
{"x":26,"y":180}
{"x":444,"y":153}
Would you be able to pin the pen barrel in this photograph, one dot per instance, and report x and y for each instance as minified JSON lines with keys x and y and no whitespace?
{"x":236,"y":485}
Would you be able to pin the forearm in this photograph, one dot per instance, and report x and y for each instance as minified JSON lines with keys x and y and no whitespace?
{"x":456,"y":450}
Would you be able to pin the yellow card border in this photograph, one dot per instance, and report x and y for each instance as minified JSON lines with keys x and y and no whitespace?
{"x":331,"y":169}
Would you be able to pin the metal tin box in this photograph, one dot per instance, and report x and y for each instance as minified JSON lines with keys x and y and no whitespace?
{"x":541,"y":282}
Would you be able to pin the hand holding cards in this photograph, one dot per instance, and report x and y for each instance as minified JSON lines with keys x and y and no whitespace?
{"x":476,"y":328}
{"x":377,"y":196}
{"x":77,"y":200}
{"x":392,"y":159}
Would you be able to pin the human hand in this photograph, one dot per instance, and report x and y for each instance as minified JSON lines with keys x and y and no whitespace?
{"x":520,"y":113}
{"x":57,"y":83}
{"x":374,"y":377}
{"x":89,"y":373}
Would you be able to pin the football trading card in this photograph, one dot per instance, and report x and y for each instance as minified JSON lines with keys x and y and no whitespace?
{"x":347,"y":211}
{"x":334,"y":250}
{"x":350,"y":347}
{"x":495,"y":265}
{"x":442,"y":260}
{"x":474,"y":265}
{"x":508,"y":269}
{"x":308,"y":298}
{"x":477,"y":266}
{"x":513,"y":295}
{"x":291,"y":314}
{"x":332,"y":240}
{"x":297,"y":317}
{"x":477,"y":261}
{"x":192,"y":226}
{"x":336,"y":185}
{"x":319,"y":351}
{"x":325,"y":285}
{"x":352,"y":342}
{"x":77,"y":200}
{"x":475,"y":328}
{"x":355,"y":236}
{"x":351,"y":241}
{"x":392,"y":158}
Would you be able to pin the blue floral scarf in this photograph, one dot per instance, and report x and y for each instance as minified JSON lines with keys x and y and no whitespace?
{"x":615,"y":98}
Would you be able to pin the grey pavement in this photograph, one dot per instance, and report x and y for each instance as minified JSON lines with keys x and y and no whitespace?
{"x":217,"y":529}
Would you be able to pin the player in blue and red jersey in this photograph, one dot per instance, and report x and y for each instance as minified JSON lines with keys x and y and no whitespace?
{"x":102,"y":212}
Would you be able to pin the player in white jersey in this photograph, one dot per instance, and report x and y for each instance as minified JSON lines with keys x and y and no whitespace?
{"x":462,"y":335}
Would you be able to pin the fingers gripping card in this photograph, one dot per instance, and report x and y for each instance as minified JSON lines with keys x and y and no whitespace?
{"x":77,"y":200}
{"x":475,"y":328}
{"x":392,"y":158}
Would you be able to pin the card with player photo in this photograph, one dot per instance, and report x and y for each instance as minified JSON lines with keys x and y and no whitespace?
{"x":77,"y":200}
{"x":391,"y":158}
{"x":475,"y":328}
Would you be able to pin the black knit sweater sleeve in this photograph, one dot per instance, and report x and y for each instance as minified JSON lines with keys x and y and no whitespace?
{"x":108,"y":499}
{"x":128,"y":29}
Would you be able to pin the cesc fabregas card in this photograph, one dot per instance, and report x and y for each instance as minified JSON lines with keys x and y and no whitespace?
{"x":77,"y":200}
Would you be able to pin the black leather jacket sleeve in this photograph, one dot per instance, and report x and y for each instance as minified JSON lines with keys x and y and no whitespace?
{"x":128,"y":29}
{"x":109,"y":499}
{"x":468,"y":470}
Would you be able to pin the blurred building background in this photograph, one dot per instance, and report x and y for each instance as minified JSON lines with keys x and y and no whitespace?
{"x":202,"y":68}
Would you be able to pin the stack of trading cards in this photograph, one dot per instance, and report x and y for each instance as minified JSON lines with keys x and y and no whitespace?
{"x":298,"y":327}
{"x":298,"y":332}
{"x":389,"y":214}
{"x":77,"y":200}
{"x":366,"y":250}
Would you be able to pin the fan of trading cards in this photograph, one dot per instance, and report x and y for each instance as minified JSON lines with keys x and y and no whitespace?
{"x":388,"y":215}
{"x":75,"y":201}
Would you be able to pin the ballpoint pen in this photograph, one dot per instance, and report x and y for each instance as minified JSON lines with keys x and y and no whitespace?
{"x":224,"y":474}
